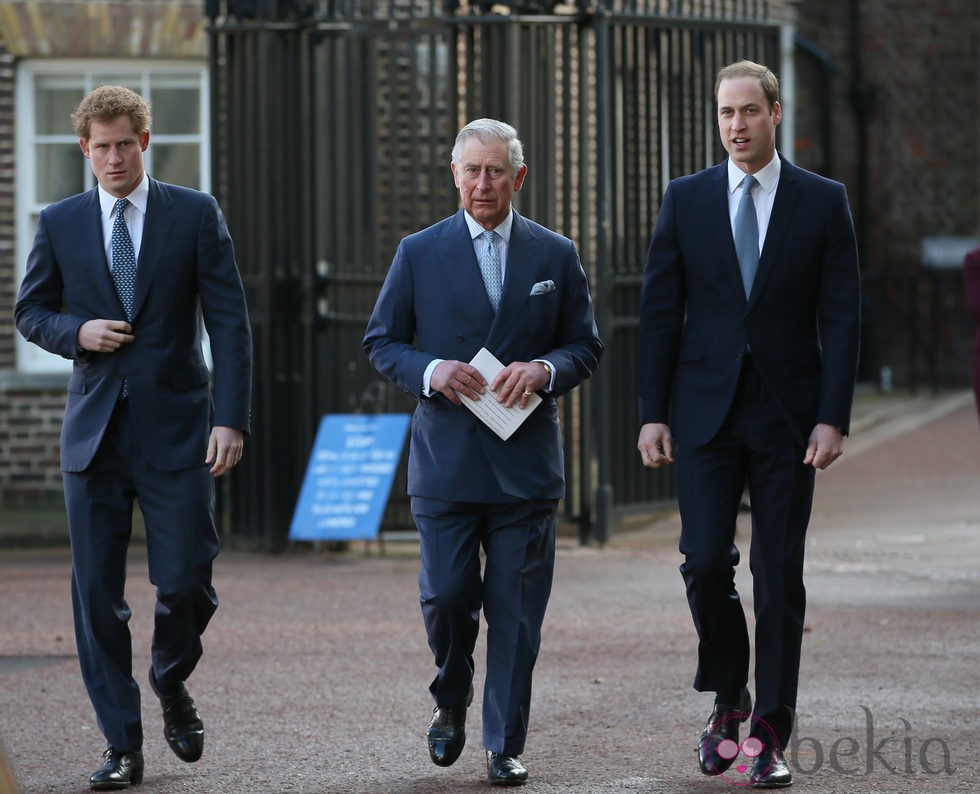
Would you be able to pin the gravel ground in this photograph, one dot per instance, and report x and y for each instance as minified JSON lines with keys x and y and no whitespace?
{"x":315,"y":669}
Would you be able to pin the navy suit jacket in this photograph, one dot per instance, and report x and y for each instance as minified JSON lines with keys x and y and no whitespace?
{"x":433,"y":304}
{"x":186,"y":262}
{"x":801,"y":320}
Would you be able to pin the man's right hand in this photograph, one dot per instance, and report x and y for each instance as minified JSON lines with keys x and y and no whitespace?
{"x":104,"y":336}
{"x":450,"y":377}
{"x":656,"y":445}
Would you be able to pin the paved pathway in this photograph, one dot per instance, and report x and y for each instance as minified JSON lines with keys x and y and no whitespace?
{"x":315,"y":671}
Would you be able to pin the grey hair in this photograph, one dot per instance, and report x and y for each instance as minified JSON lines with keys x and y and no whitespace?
{"x":487,"y":130}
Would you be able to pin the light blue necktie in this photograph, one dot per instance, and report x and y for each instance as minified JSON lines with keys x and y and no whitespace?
{"x":490,"y":268}
{"x":123,"y":266}
{"x":747,"y":235}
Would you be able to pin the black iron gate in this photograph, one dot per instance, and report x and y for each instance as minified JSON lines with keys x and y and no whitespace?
{"x":332,"y":127}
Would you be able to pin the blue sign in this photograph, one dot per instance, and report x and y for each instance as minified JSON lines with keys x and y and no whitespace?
{"x":349,"y":476}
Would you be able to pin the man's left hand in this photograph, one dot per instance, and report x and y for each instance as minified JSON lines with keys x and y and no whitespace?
{"x":516,"y":382}
{"x":826,"y":445}
{"x":224,"y":449}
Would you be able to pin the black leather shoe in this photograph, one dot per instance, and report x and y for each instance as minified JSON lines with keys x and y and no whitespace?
{"x":505,"y":770}
{"x":182,"y":725}
{"x":769,"y":770}
{"x":120,"y":770}
{"x":723,"y":727}
{"x":447,"y":732}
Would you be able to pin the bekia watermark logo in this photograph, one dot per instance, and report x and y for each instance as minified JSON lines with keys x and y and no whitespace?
{"x":892,"y":749}
{"x":742,"y":757}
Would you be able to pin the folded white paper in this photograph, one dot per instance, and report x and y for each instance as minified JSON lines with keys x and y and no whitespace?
{"x":501,"y":420}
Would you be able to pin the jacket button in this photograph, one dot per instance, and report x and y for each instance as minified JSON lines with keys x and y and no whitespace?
{"x":459,"y":337}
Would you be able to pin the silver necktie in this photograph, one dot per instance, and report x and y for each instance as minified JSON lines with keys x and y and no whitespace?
{"x":747,"y":235}
{"x":490,"y":268}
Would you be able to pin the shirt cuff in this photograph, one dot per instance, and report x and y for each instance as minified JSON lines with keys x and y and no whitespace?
{"x":551,"y":369}
{"x":427,"y":376}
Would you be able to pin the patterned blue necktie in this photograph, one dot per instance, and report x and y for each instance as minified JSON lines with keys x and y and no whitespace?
{"x":747,"y":235}
{"x":123,"y":259}
{"x":123,"y":267}
{"x":490,"y":268}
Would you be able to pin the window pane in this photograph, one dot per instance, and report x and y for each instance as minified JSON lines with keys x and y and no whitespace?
{"x":60,"y":169}
{"x":178,"y":163}
{"x":176,"y":111}
{"x":55,"y":101}
{"x":127,"y":79}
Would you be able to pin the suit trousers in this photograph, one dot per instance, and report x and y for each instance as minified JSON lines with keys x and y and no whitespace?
{"x":181,"y":543}
{"x":518,"y":541}
{"x":755,"y":446}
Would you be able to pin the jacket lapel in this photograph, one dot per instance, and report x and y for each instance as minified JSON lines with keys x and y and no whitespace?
{"x":522,"y":271}
{"x":89,"y":230}
{"x":718,"y":225}
{"x":462,"y":272}
{"x":787,"y":191}
{"x":157,"y":226}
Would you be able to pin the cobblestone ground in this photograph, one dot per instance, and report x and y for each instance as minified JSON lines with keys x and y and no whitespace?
{"x":315,"y":669}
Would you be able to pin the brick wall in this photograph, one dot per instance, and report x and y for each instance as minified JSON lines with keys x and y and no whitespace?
{"x":30,"y":424}
{"x":919,"y":63}
{"x":7,"y":270}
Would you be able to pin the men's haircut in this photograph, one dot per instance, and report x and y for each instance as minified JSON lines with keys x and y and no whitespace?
{"x":107,"y":103}
{"x":487,"y":130}
{"x":767,"y":79}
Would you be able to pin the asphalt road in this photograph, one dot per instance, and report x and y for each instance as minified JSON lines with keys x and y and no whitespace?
{"x":315,"y":669}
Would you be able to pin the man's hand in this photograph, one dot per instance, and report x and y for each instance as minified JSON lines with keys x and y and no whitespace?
{"x":224,"y":449}
{"x":450,"y":377}
{"x":518,"y":381}
{"x":104,"y":336}
{"x":656,"y":445}
{"x":826,"y":445}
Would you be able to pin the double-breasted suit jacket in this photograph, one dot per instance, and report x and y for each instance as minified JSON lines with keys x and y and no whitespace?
{"x":433,"y":305}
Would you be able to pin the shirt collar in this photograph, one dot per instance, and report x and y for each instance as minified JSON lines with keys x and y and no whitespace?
{"x":768,"y":177}
{"x":138,"y":198}
{"x":503,"y":229}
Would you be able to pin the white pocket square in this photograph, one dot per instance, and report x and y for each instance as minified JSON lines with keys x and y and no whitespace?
{"x":543,"y":287}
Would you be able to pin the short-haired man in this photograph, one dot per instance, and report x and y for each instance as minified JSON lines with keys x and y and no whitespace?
{"x":116,"y":281}
{"x":531,"y":308}
{"x":748,"y":350}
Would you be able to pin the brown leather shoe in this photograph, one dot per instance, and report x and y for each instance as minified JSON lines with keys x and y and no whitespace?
{"x":182,"y":725}
{"x":723,"y":727}
{"x":120,"y":770}
{"x":769,"y":770}
{"x":505,"y":770}
{"x":447,"y":731}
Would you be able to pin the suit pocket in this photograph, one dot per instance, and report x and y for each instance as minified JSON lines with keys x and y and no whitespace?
{"x":190,"y":378}
{"x":77,"y":383}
